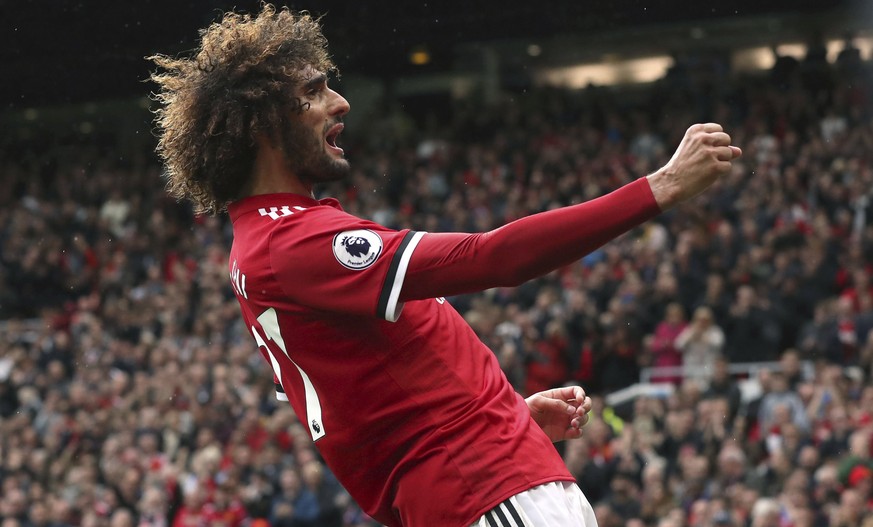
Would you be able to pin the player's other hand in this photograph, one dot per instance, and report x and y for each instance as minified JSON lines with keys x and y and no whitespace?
{"x":704,"y":155}
{"x":560,"y":412}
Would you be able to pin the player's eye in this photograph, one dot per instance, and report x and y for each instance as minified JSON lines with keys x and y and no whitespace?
{"x":315,"y":90}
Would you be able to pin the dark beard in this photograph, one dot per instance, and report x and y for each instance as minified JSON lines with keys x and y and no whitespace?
{"x":306,"y":157}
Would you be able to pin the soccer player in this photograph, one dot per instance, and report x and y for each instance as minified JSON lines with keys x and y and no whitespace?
{"x":405,"y":404}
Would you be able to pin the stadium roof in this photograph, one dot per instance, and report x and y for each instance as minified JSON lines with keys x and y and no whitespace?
{"x":68,"y":50}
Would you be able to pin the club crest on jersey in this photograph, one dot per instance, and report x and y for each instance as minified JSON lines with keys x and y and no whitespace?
{"x":357,"y":249}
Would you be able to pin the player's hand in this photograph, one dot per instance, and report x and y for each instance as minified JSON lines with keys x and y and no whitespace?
{"x":704,"y":155}
{"x":560,"y":412}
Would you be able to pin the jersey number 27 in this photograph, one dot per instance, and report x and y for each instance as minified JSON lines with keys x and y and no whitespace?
{"x":269,"y":321}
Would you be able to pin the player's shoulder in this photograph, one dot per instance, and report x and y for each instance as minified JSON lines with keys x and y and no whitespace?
{"x":280,"y":222}
{"x":318,"y":228}
{"x":271,"y":218}
{"x":283,"y":214}
{"x":312,"y":221}
{"x":265,"y":208}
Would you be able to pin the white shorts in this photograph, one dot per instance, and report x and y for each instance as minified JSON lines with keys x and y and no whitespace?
{"x":555,"y":504}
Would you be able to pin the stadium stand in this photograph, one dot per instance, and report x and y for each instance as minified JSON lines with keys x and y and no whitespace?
{"x":130,"y":394}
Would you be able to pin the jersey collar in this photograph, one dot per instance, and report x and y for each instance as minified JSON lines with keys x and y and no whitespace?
{"x":268,"y":201}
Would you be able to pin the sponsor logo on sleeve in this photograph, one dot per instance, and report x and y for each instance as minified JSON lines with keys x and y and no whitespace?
{"x":357,"y":249}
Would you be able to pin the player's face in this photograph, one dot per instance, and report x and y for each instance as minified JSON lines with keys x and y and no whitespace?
{"x":310,"y":141}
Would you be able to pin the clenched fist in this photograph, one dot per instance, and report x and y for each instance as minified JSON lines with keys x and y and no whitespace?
{"x":704,"y":155}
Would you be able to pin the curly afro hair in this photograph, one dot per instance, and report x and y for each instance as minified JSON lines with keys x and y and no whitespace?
{"x":238,"y":83}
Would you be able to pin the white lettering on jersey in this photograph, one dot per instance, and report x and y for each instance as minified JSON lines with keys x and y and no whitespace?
{"x":280,"y":212}
{"x":238,"y":281}
{"x":269,"y":322}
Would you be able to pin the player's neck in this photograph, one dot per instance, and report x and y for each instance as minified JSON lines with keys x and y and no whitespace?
{"x":271,"y":175}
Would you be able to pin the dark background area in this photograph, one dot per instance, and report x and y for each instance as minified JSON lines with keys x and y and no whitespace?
{"x":73,"y":51}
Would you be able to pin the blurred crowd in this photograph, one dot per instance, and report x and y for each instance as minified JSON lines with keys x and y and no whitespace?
{"x":131,"y":394}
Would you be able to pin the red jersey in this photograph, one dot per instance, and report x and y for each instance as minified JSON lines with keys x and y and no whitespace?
{"x":412,"y":413}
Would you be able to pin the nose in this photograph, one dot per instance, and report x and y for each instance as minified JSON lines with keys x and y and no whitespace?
{"x":339,"y":105}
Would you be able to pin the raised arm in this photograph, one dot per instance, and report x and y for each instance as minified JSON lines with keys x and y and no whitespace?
{"x":447,"y":264}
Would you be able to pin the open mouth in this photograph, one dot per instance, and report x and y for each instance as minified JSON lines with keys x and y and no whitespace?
{"x":331,"y":137}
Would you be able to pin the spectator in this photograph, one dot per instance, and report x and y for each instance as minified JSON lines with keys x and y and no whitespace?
{"x":332,"y":499}
{"x":656,"y":500}
{"x":851,"y":510}
{"x":591,"y":472}
{"x":752,"y":334}
{"x":664,"y":347}
{"x":765,"y":513}
{"x":623,"y":498}
{"x":700,"y":343}
{"x":547,"y":366}
{"x":295,"y":505}
{"x":723,"y":386}
{"x":153,"y":508}
{"x":792,"y":368}
{"x":781,"y":406}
